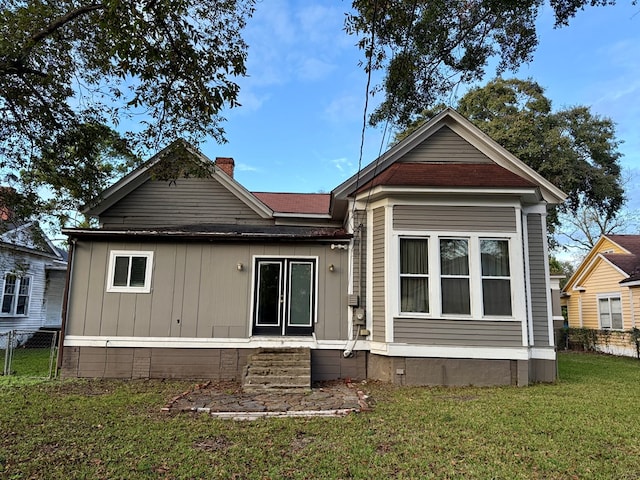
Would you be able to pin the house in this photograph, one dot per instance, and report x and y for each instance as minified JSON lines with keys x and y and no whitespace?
{"x":429,"y":266}
{"x":32,"y":272}
{"x":602,"y":295}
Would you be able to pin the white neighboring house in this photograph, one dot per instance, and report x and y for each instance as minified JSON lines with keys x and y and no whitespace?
{"x":32,"y":278}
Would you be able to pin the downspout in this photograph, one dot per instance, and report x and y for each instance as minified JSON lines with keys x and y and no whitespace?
{"x":65,"y":301}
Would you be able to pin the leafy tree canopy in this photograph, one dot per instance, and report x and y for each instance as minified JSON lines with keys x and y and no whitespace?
{"x":70,"y":67}
{"x":573,"y":148}
{"x":427,"y":47}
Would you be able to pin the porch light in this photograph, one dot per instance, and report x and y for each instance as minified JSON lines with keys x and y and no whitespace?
{"x":331,"y":268}
{"x":240,"y":267}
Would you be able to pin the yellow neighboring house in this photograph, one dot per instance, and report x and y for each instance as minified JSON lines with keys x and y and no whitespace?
{"x":604,"y":294}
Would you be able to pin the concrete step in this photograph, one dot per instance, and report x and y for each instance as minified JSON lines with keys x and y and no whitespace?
{"x":273,"y":388}
{"x":264,"y":370}
{"x":278,"y":370}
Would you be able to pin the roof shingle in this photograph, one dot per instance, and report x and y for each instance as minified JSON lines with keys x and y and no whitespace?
{"x":448,"y":175}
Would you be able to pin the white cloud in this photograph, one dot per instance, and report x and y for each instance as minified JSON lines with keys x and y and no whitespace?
{"x":243,"y":167}
{"x":343,"y":165}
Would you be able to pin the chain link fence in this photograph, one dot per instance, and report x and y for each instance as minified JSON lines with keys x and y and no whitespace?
{"x":29,"y":353}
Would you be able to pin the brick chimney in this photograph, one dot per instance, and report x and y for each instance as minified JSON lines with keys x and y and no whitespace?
{"x":226,"y":164}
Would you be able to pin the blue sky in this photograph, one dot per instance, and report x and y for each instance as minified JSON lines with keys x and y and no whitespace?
{"x":300,"y":125}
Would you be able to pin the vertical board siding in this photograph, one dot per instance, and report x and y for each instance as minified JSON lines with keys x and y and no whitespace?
{"x":196,"y":291}
{"x":378,"y":274}
{"x":483,"y":333}
{"x":537,"y":280}
{"x":454,"y":218}
{"x":445,"y":146}
{"x":183,"y":202}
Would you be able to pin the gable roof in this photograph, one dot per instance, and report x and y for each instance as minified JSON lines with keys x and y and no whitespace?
{"x":296,"y":203}
{"x":467,"y":131}
{"x":137,"y":177}
{"x":30,"y":238}
{"x":627,"y":262}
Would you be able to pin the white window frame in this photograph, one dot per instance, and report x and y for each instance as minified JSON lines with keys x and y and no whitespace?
{"x":475,"y":275}
{"x":14,"y":302}
{"x":113,"y":254}
{"x":608,"y":297}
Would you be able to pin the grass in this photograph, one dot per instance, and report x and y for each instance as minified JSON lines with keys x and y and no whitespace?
{"x":28,"y":362}
{"x":585,"y":426}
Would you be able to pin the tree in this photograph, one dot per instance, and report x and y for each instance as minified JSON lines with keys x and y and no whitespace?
{"x":68,"y":68}
{"x":573,"y":148}
{"x":580,"y":230}
{"x":427,"y":47}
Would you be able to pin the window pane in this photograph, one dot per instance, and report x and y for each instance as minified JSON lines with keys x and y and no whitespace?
{"x":605,"y":318}
{"x":495,"y":258}
{"x":268,"y":294}
{"x":9,"y":292}
{"x":7,"y":301}
{"x":21,"y":305}
{"x":414,"y":256}
{"x":121,"y":272}
{"x":138,"y":270}
{"x":616,"y":313}
{"x":454,"y":257}
{"x":24,"y":286}
{"x":455,"y":296}
{"x":300,"y":294}
{"x":496,"y":297}
{"x":414,"y":295}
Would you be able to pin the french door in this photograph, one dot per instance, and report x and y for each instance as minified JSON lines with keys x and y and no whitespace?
{"x":284,"y":296}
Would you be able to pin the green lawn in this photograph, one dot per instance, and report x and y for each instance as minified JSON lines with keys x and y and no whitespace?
{"x":585,"y":426}
{"x":30,"y":362}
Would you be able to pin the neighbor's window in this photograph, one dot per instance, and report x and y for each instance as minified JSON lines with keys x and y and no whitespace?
{"x":454,"y":276}
{"x":496,"y":279}
{"x":414,"y":275}
{"x":610,"y":310}
{"x":15,"y":295}
{"x":129,"y":271}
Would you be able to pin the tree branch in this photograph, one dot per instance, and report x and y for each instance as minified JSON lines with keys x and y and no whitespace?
{"x":56,"y":25}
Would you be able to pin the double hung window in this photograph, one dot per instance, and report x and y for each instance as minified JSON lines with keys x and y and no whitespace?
{"x":414,"y":275}
{"x":15,"y":295}
{"x":454,"y":276}
{"x":496,"y":277}
{"x":610,"y":312}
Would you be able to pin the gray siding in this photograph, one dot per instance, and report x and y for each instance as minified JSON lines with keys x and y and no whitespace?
{"x":454,"y":218}
{"x":481,"y":333}
{"x":181,"y":202}
{"x":445,"y":146}
{"x":378,"y":273}
{"x":196,"y":291}
{"x":537,"y":279}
